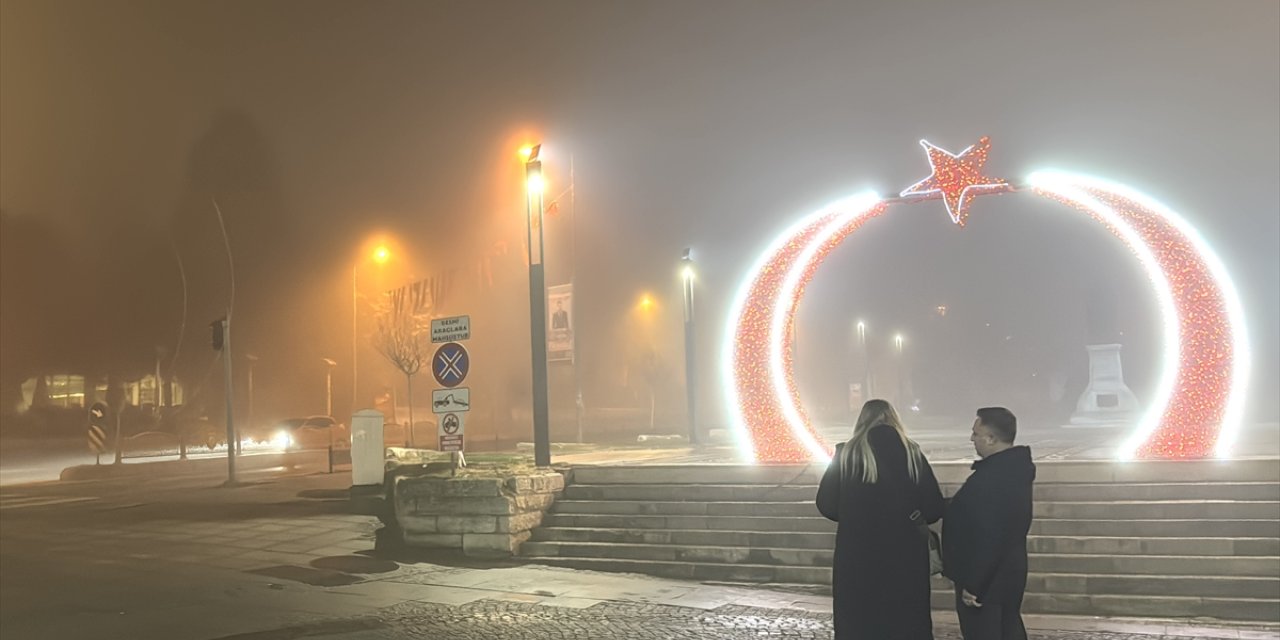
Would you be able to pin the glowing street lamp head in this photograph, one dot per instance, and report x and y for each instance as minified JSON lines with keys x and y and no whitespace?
{"x":687,"y":273}
{"x":382,"y":254}
{"x":536,"y":183}
{"x":646,"y":303}
{"x":897,"y":341}
{"x":529,"y":152}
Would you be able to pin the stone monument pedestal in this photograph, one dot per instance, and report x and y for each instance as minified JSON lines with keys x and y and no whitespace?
{"x":1107,"y":401}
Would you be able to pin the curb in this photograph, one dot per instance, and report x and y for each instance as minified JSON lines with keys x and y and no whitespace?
{"x":196,"y":467}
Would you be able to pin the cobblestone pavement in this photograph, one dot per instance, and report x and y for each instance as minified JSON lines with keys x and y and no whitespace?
{"x":508,"y":620}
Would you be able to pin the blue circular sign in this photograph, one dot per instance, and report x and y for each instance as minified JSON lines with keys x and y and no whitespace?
{"x":450,"y":365}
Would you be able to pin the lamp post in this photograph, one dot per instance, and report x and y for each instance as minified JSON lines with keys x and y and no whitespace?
{"x":252,"y":361}
{"x":902,"y":366}
{"x":866,"y":361}
{"x":537,"y":306}
{"x":690,"y":360}
{"x":380,"y":256}
{"x":328,"y":387}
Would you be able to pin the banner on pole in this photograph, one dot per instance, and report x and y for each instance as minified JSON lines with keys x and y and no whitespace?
{"x":561,"y":321}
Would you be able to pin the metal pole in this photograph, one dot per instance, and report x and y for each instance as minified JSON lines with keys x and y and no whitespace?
{"x":579,"y":409}
{"x":538,"y":323}
{"x":355,"y":349}
{"x":226,"y":376}
{"x":328,"y":391}
{"x":159,"y":385}
{"x":690,"y":357}
{"x":239,"y":440}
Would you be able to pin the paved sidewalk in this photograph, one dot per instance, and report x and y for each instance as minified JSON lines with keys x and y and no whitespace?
{"x":281,"y":558}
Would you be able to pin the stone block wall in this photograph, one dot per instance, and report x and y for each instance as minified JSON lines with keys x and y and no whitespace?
{"x":480,"y":516}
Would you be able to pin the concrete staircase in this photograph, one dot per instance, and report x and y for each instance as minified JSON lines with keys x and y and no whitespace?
{"x":1167,"y":539}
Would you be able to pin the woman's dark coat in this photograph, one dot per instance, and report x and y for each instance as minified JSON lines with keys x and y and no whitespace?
{"x":880,"y":579}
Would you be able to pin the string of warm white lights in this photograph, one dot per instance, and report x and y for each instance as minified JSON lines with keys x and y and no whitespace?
{"x":1199,"y":400}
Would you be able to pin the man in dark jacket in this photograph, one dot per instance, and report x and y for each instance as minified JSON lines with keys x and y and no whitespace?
{"x":984,"y":533}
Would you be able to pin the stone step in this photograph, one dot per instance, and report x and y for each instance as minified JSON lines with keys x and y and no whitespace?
{"x":1092,"y":492}
{"x":1163,"y":585}
{"x":716,"y":572}
{"x":695,"y":537}
{"x":1130,"y":510}
{"x":1190,"y":528}
{"x":1040,"y":563}
{"x":681,"y":553}
{"x":817,"y":524}
{"x":716,"y":523}
{"x":739,"y":492}
{"x":1126,"y":546}
{"x":1133,"y":546}
{"x":1162,"y":510}
{"x":692,"y":493}
{"x":1223,"y":566}
{"x":1047,"y":472}
{"x":645,"y":507}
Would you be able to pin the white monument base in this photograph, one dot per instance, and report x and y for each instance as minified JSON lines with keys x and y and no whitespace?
{"x":1107,"y":401}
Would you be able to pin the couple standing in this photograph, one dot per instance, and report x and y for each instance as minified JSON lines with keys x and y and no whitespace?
{"x":875,"y":484}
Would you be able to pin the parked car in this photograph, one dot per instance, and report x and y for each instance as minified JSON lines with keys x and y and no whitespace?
{"x":315,"y":432}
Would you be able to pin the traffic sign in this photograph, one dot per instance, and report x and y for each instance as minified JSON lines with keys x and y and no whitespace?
{"x":455,"y":329}
{"x":452,"y":431}
{"x":450,"y":364}
{"x":97,"y":429}
{"x":450,"y":400}
{"x":451,"y":424}
{"x":97,"y":439}
{"x":451,"y":443}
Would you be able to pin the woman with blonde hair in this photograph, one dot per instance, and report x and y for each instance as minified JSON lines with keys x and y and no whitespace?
{"x":873,"y":487}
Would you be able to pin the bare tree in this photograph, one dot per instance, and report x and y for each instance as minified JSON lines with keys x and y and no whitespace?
{"x":400,"y":339}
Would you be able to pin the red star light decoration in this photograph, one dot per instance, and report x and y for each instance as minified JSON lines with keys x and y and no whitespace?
{"x":957,"y":178}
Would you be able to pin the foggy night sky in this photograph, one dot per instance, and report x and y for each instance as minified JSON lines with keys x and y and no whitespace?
{"x":712,"y":125}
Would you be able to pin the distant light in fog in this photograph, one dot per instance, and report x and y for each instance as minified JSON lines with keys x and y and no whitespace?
{"x":382,"y":254}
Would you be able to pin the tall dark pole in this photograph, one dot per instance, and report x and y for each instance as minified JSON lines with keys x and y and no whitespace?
{"x":231,"y":420}
{"x":252,"y":359}
{"x":537,"y":312}
{"x":690,"y":352}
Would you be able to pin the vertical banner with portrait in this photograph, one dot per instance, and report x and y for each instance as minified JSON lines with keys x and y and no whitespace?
{"x":560,"y":322}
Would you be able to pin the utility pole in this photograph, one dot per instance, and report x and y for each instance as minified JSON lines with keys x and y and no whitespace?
{"x":537,"y":309}
{"x":690,"y":357}
{"x":222,"y":342}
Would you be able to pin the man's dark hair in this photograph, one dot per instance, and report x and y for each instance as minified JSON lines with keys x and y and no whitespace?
{"x":1001,"y":421}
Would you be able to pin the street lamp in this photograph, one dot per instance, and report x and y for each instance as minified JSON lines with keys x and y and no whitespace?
{"x":690,"y":379}
{"x":535,"y":185}
{"x":328,"y":387}
{"x":865,"y":356}
{"x":380,"y":256}
{"x":902,"y":370}
{"x":252,"y":361}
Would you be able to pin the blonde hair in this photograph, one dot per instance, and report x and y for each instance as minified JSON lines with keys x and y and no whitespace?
{"x":857,"y":457}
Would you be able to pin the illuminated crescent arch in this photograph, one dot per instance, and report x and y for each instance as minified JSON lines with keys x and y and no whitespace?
{"x":1199,"y":399}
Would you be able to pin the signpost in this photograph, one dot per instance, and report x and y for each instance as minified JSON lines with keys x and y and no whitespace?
{"x":97,"y":430}
{"x":450,"y":366}
{"x":451,"y":400}
{"x":455,"y":329}
{"x":452,"y":432}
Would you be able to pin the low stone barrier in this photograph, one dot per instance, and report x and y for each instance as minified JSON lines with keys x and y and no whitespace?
{"x":482,"y":516}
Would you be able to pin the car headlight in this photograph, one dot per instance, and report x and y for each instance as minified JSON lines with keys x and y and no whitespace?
{"x":282,"y":440}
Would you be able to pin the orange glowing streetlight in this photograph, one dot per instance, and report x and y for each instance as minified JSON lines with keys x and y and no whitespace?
{"x":380,"y":256}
